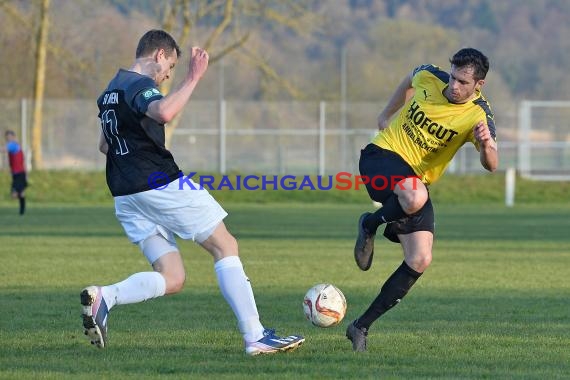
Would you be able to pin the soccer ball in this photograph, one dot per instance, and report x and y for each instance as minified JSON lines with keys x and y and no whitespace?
{"x":324,"y":305}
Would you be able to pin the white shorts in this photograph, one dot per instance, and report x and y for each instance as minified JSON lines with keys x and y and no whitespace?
{"x":190,"y":214}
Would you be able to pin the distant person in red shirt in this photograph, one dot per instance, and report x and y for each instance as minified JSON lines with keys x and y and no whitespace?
{"x":17,"y":167}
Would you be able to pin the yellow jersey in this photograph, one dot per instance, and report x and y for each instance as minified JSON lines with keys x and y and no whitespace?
{"x":429,"y":129}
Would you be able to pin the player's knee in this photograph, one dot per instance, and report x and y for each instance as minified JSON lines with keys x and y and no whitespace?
{"x":412,"y":194}
{"x":174,"y":281}
{"x":232,"y":245}
{"x":421,"y":262}
{"x":221,"y":243}
{"x":413,"y":201}
{"x":227,"y":245}
{"x":419,"y":200}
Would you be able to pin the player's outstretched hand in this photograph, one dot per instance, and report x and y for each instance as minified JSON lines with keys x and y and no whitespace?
{"x":198,"y":63}
{"x":482,"y":133}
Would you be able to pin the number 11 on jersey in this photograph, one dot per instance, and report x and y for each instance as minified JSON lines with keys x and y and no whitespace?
{"x":110,"y":129}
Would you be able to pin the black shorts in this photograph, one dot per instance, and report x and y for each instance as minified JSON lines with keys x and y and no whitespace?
{"x":19,"y":182}
{"x":384,"y":168}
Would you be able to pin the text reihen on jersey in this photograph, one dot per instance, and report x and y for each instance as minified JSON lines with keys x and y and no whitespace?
{"x":111,"y":98}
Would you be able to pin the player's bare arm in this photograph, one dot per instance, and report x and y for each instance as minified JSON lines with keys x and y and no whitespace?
{"x":395,"y":103}
{"x":488,"y":153}
{"x":166,"y":109}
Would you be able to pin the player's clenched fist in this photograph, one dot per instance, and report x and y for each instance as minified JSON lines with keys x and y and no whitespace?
{"x":482,"y":133}
{"x":198,"y":63}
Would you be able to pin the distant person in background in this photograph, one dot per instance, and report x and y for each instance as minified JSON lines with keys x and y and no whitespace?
{"x":17,"y":168}
{"x":144,"y":180}
{"x":439,"y":113}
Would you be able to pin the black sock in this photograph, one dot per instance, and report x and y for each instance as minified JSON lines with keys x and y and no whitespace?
{"x":389,"y":212}
{"x":22,"y":205}
{"x":392,"y":292}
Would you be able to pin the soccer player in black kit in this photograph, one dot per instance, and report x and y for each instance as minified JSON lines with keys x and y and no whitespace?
{"x":151,"y":205}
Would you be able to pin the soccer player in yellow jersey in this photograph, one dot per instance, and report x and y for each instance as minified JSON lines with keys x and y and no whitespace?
{"x":438,"y":113}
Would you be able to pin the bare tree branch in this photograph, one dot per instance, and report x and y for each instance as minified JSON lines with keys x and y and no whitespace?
{"x":39,"y":85}
{"x":229,"y":14}
{"x":57,"y":51}
{"x":169,"y":16}
{"x":187,"y":23}
{"x":268,"y":71}
{"x":230,"y":48}
{"x":222,"y":26}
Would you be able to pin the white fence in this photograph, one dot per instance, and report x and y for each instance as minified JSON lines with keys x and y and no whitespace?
{"x":289,"y":137}
{"x":544,"y":136}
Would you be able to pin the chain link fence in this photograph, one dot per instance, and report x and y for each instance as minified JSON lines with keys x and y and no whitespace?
{"x":248,"y":136}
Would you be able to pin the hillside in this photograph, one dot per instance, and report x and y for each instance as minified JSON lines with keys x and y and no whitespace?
{"x":382,"y":40}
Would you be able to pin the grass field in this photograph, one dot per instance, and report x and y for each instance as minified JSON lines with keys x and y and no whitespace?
{"x":494,"y":303}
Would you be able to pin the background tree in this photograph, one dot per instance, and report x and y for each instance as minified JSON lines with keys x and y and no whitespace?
{"x":225,"y":26}
{"x":87,"y":43}
{"x":39,"y":85}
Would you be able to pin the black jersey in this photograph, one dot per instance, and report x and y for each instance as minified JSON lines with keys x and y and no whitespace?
{"x":137,"y":155}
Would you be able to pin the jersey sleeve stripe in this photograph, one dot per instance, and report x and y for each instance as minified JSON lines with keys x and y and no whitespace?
{"x":435,"y":71}
{"x":489,"y":114}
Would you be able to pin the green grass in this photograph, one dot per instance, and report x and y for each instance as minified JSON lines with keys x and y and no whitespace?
{"x":494,"y":303}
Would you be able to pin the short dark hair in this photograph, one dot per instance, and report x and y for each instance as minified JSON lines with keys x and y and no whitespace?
{"x":474,"y":58}
{"x":9,"y":132}
{"x":156,"y":39}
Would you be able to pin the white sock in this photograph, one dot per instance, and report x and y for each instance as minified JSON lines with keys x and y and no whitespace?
{"x":236,"y":289}
{"x":137,"y":288}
